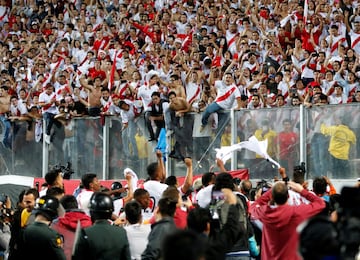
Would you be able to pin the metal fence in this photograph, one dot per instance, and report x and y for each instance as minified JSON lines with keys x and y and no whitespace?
{"x":324,"y":137}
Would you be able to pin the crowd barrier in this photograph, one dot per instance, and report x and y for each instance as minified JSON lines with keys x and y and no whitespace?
{"x":97,"y":144}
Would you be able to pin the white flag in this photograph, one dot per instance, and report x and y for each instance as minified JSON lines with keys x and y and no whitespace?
{"x":253,"y":144}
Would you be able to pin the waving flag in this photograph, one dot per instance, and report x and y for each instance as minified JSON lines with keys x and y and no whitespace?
{"x":253,"y":144}
{"x":134,"y":179}
{"x":161,"y":145}
{"x":112,"y":72}
{"x":306,"y":10}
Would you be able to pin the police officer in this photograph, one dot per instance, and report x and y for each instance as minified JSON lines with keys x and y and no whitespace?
{"x":39,"y":240}
{"x":102,"y":240}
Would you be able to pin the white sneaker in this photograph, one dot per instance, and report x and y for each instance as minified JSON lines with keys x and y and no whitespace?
{"x":47,"y":139}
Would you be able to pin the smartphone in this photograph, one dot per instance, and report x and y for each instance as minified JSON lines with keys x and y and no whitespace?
{"x":218,"y":195}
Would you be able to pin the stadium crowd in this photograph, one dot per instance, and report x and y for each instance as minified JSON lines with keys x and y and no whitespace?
{"x":159,"y":60}
{"x":61,"y":60}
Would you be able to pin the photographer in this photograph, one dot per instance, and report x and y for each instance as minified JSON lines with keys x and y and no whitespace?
{"x":220,"y":210}
{"x":218,"y":243}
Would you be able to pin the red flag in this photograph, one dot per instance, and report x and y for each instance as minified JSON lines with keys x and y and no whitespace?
{"x":216,"y":61}
{"x":112,"y":72}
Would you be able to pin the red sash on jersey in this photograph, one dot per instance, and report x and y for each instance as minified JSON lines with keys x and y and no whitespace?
{"x":353,"y":44}
{"x":85,"y":59}
{"x":96,"y":27}
{"x":196,"y":94}
{"x":286,"y":95}
{"x":336,"y":45}
{"x":226,"y":95}
{"x":66,"y":88}
{"x":107,"y":106}
{"x":352,"y":92}
{"x":232,"y":40}
{"x":122,"y":90}
{"x":5,"y":13}
{"x":136,"y":111}
{"x":46,"y":107}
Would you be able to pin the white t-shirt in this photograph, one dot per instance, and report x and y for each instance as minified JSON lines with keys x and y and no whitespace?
{"x":137,"y":235}
{"x":155,"y":189}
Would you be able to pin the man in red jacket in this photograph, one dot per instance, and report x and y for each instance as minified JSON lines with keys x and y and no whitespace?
{"x":280,"y":220}
{"x":67,"y":224}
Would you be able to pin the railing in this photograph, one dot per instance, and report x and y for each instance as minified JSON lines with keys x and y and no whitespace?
{"x":97,"y":144}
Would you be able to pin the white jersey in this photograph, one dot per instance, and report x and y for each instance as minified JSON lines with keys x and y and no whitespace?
{"x":335,"y":100}
{"x":180,"y":27}
{"x":355,"y":41}
{"x":193,"y":92}
{"x":129,"y":115}
{"x":18,"y":110}
{"x":155,"y":189}
{"x":83,"y":200}
{"x":295,"y":199}
{"x":226,"y":95}
{"x":336,"y":41}
{"x":231,"y":41}
{"x":144,"y":93}
{"x":44,"y":97}
{"x":118,"y":205}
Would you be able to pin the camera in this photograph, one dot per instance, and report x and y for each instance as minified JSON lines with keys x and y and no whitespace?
{"x":263,"y":185}
{"x":3,"y":198}
{"x":184,"y":197}
{"x":66,"y":170}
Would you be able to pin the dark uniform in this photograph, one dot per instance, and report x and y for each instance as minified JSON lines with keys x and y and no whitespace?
{"x":41,"y":242}
{"x":102,"y":241}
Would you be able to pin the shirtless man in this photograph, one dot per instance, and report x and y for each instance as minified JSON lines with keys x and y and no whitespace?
{"x":182,"y":124}
{"x":5,"y":108}
{"x":93,"y":102}
{"x":174,"y":85}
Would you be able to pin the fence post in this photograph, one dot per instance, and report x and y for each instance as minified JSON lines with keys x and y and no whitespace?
{"x":106,"y":136}
{"x":303,"y":136}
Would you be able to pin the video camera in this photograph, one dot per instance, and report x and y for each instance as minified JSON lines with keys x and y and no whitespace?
{"x":66,"y":170}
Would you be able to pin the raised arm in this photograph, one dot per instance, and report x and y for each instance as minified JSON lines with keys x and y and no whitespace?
{"x":189,"y":176}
